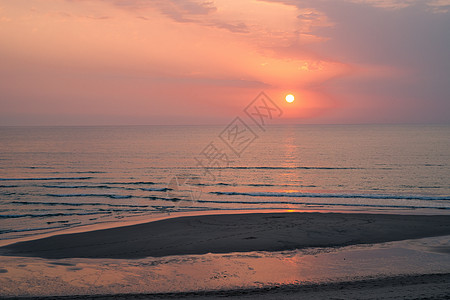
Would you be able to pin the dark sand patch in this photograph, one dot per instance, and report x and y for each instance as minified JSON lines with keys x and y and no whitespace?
{"x":233,"y":233}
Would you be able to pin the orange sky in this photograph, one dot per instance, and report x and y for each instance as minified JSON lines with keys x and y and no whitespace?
{"x":94,"y":62}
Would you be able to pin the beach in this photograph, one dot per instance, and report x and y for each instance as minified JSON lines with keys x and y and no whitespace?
{"x":184,"y":242}
{"x":432,"y":286}
{"x":234,"y":233}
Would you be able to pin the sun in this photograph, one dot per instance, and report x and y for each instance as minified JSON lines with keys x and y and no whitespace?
{"x":290,"y":98}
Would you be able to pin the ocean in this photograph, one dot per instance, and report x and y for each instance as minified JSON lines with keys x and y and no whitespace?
{"x":54,"y":178}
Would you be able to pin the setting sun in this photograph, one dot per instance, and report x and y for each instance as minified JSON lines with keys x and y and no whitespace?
{"x":290,"y":98}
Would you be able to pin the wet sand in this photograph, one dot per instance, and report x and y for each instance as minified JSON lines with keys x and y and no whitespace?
{"x":233,"y":233}
{"x":428,"y":286}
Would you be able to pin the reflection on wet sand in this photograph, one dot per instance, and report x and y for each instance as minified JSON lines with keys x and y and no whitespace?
{"x":32,"y":276}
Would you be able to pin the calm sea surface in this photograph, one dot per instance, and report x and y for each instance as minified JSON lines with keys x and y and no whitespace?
{"x":61,"y":177}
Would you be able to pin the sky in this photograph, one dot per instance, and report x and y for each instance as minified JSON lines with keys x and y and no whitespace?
{"x":158,"y":62}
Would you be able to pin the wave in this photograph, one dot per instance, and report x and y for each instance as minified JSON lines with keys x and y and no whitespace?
{"x":281,"y":185}
{"x":75,"y":204}
{"x":79,"y":187}
{"x":112,"y":196}
{"x":52,"y":215}
{"x":255,"y":184}
{"x":331,"y":195}
{"x":64,"y":225}
{"x":78,"y":172}
{"x":63,"y":172}
{"x":320,"y":204}
{"x":37,"y":167}
{"x":133,"y":183}
{"x":46,"y":178}
{"x":429,"y":187}
{"x":174,"y":199}
{"x":156,"y":190}
{"x":287,"y":168}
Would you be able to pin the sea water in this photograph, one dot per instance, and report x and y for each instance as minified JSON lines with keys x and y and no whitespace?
{"x":52,"y":178}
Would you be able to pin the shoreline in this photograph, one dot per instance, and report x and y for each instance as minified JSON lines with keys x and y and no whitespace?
{"x":435,"y":286}
{"x":129,"y":221}
{"x":226,"y":233}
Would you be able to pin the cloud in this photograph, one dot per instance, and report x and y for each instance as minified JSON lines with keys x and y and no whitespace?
{"x":184,"y":11}
{"x":236,"y":28}
{"x":312,"y":19}
{"x":177,"y":10}
{"x":369,"y":56}
{"x":439,"y":6}
{"x":396,"y":53}
{"x":387,"y":4}
{"x":435,"y":6}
